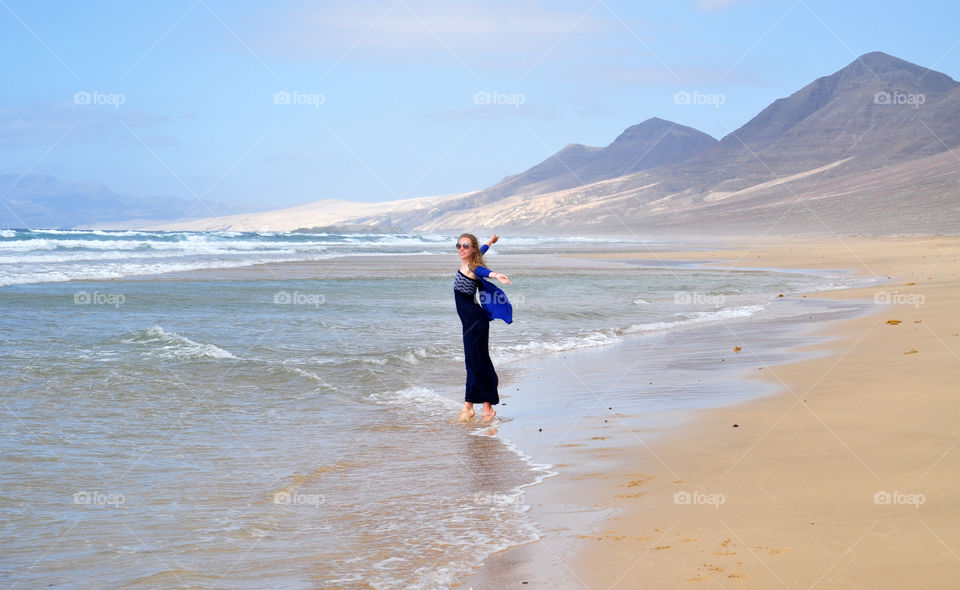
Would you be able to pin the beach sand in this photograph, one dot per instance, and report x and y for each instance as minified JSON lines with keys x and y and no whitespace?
{"x":846,"y":477}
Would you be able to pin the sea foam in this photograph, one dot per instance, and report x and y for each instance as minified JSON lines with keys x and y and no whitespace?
{"x":172,"y":345}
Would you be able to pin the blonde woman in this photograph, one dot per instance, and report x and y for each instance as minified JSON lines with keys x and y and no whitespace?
{"x":482,"y":380}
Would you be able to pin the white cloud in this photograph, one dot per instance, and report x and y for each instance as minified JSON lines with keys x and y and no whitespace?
{"x":710,"y":5}
{"x":69,"y":124}
{"x":298,"y":157}
{"x":430,"y":30}
{"x":587,"y":105}
{"x":491,"y":112}
{"x":660,"y":75}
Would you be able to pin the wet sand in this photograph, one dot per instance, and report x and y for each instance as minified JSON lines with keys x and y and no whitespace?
{"x":845,"y":475}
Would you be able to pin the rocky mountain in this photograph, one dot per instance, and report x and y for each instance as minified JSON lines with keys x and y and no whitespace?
{"x":650,"y":144}
{"x":876,"y":111}
{"x":871,"y":148}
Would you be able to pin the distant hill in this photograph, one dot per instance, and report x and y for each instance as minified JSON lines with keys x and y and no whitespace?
{"x":871,"y":148}
{"x":650,"y":144}
{"x":37,"y":201}
{"x":876,"y":111}
{"x":850,"y":152}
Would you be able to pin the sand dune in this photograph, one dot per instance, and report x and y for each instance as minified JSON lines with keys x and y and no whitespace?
{"x":326,"y":213}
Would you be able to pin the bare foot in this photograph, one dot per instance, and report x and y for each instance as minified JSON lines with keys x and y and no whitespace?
{"x":465,"y":415}
{"x":488,"y":416}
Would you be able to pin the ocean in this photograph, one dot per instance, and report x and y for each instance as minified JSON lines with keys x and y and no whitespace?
{"x":242,"y":410}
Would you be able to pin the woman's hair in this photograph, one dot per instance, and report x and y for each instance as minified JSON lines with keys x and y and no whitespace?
{"x":477,"y":259}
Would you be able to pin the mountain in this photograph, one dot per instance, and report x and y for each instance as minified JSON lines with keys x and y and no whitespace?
{"x":877,"y":110}
{"x":570,"y":158}
{"x":879,"y":121}
{"x":38,"y":201}
{"x":650,"y":144}
{"x":871,"y":148}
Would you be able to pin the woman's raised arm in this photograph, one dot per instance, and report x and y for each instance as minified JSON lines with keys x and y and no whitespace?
{"x":493,"y":240}
{"x":487,"y":273}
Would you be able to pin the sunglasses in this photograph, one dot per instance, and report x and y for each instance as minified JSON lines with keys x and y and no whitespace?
{"x":467,"y":245}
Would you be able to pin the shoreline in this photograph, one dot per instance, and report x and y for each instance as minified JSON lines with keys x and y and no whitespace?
{"x":764,"y":505}
{"x":583,"y":445}
{"x":627,"y":426}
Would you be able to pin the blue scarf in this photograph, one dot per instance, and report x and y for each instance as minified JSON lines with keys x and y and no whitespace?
{"x":494,"y":301}
{"x":492,"y":298}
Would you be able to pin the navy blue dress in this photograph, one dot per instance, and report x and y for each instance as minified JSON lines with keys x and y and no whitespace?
{"x":481,"y":377}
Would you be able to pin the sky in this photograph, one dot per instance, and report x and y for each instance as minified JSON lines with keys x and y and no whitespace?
{"x":274,"y":104}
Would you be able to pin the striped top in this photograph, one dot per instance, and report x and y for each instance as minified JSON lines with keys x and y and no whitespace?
{"x":464,"y":284}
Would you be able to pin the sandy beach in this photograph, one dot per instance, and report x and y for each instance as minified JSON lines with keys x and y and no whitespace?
{"x":845,"y":477}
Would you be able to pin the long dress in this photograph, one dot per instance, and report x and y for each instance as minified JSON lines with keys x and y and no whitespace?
{"x":482,"y":379}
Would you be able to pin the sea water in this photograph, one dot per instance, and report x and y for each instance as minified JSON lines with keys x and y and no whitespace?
{"x":248,"y":410}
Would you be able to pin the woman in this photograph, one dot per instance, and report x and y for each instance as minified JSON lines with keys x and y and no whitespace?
{"x":481,"y":387}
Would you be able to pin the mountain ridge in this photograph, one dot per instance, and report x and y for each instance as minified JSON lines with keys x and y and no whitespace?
{"x":881,"y":123}
{"x":652,"y":143}
{"x":877,"y":113}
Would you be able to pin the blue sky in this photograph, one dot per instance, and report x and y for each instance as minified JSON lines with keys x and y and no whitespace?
{"x":281,"y":103}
